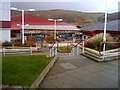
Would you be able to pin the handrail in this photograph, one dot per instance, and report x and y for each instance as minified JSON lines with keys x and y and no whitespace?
{"x":54,"y":48}
{"x":106,"y":43}
{"x":78,"y":43}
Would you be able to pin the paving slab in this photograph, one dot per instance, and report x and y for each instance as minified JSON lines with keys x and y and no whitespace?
{"x":76,"y":71}
{"x":67,"y":66}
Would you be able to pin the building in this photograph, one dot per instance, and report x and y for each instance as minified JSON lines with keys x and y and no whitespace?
{"x":112,"y":29}
{"x":5,"y":22}
{"x":36,"y":25}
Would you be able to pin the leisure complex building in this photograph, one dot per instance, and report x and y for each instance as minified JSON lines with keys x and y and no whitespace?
{"x":34,"y":26}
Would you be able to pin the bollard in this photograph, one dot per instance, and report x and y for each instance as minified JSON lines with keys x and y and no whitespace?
{"x":55,"y":49}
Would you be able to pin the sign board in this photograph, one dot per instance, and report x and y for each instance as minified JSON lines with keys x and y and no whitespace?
{"x":38,"y":38}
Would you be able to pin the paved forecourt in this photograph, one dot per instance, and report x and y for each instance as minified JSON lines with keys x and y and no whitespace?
{"x":77,"y":71}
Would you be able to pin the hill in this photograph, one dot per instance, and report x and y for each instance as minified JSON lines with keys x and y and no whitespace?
{"x":69,"y":16}
{"x":75,"y":17}
{"x":113,"y":16}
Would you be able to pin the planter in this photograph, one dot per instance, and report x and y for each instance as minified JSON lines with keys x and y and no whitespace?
{"x":108,"y":55}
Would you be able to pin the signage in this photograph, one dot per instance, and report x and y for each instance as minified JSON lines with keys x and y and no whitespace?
{"x":38,"y":37}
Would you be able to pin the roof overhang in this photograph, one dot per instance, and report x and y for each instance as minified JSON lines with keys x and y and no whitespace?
{"x":5,"y":24}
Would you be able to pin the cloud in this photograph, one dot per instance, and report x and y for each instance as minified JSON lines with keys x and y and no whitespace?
{"x":78,"y":5}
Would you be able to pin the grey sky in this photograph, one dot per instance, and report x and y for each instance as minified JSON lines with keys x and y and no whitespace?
{"x":85,"y":6}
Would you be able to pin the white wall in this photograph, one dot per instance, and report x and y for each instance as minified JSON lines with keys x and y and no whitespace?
{"x":5,"y":11}
{"x":5,"y":35}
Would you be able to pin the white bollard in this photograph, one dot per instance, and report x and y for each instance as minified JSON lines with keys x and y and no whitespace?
{"x":55,"y":49}
{"x":52,"y":53}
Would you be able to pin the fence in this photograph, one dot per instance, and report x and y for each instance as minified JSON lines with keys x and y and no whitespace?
{"x":16,"y":51}
{"x":102,"y":55}
{"x":109,"y":53}
{"x":53,"y":49}
{"x":77,"y":48}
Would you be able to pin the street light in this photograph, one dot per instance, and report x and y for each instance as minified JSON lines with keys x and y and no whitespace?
{"x":105,"y":27}
{"x":55,"y":45}
{"x":13,"y":8}
{"x":55,"y":20}
{"x":22,"y":32}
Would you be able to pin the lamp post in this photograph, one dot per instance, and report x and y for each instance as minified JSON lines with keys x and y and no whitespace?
{"x":105,"y":26}
{"x":23,"y":20}
{"x":55,"y":45}
{"x":55,"y":20}
{"x":23,"y":38}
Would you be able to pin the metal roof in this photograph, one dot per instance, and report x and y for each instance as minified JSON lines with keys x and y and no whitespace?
{"x":37,"y":22}
{"x":111,"y":26}
{"x":52,"y":27}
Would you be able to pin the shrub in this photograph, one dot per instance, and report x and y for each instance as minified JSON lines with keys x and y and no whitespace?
{"x":18,"y":40}
{"x":31,"y":38}
{"x":50,"y":39}
{"x":118,"y":38}
{"x":6,"y":43}
{"x":94,"y":42}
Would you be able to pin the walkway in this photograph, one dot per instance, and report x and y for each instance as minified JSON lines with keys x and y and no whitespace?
{"x":80,"y":72}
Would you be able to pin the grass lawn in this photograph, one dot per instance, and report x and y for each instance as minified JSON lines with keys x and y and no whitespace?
{"x":22,"y":70}
{"x":64,"y":49}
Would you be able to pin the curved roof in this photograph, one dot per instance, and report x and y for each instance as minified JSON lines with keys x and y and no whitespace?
{"x":37,"y":22}
{"x":111,"y":26}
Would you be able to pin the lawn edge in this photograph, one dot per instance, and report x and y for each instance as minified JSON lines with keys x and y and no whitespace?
{"x":39,"y":79}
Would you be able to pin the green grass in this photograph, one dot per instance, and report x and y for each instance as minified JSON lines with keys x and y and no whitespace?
{"x":64,"y":49}
{"x":23,"y":70}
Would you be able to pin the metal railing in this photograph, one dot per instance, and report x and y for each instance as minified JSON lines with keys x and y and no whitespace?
{"x":109,"y":53}
{"x":16,"y":51}
{"x":76,"y":48}
{"x":53,"y":49}
{"x":107,"y":43}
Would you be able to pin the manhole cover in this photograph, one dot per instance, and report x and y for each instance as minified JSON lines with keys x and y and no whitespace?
{"x":67,"y":65}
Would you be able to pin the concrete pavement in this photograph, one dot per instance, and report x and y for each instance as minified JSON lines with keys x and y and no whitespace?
{"x":76,"y":71}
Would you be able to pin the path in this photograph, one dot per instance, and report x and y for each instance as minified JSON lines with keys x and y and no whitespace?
{"x":80,"y":72}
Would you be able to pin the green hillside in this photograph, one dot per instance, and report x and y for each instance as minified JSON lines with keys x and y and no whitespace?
{"x":113,"y":16}
{"x":69,"y":16}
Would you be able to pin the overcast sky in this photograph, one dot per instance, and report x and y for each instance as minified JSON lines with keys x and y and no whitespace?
{"x":85,"y":6}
